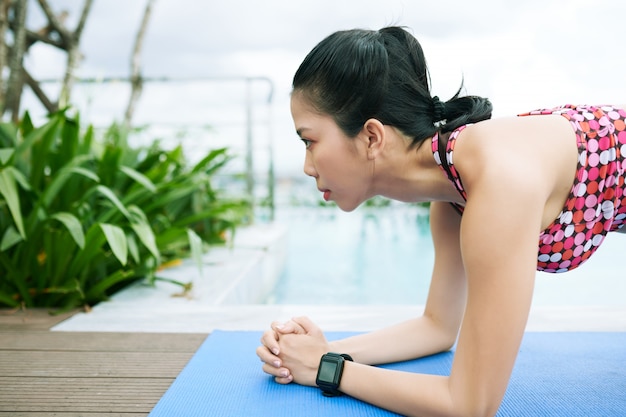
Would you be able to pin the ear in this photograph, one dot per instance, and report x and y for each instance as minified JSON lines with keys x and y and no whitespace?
{"x":375,"y":136}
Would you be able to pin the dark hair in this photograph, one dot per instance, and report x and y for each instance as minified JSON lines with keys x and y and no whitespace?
{"x":359,"y":74}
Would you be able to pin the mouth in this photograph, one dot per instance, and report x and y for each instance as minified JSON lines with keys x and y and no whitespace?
{"x":326,"y":194}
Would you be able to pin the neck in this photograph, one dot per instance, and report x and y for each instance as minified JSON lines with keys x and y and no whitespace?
{"x":412,"y":175}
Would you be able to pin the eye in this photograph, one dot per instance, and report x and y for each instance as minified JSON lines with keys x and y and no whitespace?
{"x":307,"y":143}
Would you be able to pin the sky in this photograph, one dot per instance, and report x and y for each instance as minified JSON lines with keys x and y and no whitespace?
{"x":522,"y":55}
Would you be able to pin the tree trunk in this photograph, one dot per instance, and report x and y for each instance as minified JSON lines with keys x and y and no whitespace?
{"x":73,"y":53}
{"x":135,"y":78}
{"x":16,"y":80}
{"x":4,"y":27}
{"x":41,"y":95}
{"x":13,"y":17}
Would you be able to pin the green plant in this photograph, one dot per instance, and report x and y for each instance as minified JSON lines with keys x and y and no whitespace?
{"x":377,"y":201}
{"x":80,"y":218}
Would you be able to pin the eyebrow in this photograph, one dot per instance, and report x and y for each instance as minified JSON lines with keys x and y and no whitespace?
{"x":302,"y":129}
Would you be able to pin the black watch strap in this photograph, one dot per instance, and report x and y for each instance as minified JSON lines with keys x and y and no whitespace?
{"x":329,"y":373}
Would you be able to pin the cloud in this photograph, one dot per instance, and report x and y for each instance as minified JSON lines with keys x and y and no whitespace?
{"x":522,"y":55}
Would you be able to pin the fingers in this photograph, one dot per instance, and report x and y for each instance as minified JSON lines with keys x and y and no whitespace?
{"x":270,"y":341}
{"x":288,"y":327}
{"x":272,"y":365}
{"x":270,"y":350}
{"x":268,"y":357}
{"x":284,"y":381}
{"x":307,"y":325}
{"x":281,"y":375}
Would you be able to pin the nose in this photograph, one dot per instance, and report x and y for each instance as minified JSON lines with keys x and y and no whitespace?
{"x":309,"y":168}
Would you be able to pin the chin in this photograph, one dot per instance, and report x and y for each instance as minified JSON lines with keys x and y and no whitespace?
{"x":348,"y":206}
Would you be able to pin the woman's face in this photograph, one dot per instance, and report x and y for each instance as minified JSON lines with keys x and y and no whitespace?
{"x":340,"y":164}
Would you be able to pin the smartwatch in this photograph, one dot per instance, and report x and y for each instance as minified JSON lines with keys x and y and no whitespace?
{"x":329,"y":373}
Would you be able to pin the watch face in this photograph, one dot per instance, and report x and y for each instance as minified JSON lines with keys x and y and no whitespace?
{"x":327,"y":371}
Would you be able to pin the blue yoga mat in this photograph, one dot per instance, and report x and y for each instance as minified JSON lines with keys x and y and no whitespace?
{"x":556,"y":374}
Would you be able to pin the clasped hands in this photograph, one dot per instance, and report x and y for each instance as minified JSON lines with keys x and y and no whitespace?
{"x":291,"y":351}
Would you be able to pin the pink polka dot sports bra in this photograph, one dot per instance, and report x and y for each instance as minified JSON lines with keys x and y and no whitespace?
{"x":597,"y":201}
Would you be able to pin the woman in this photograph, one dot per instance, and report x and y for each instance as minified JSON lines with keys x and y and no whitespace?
{"x":509,"y":196}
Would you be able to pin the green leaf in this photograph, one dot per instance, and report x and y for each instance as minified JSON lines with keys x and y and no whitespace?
{"x":7,"y":300}
{"x":69,"y":289}
{"x":117,"y":241}
{"x":40,"y":151}
{"x":94,"y":240}
{"x":35,"y":135}
{"x":73,"y":226}
{"x":139,"y":178}
{"x":69,"y":138}
{"x":142,"y":229}
{"x":85,"y":173}
{"x":8,"y":190}
{"x":146,"y":236}
{"x":17,"y":277}
{"x":64,"y":174}
{"x":171,"y":237}
{"x":133,"y":249}
{"x":5,"y":155}
{"x":172,"y":196}
{"x":204,"y":162}
{"x":195,"y":243}
{"x":8,"y":134}
{"x":106,"y":192}
{"x":85,"y":146}
{"x":98,"y":291}
{"x":26,"y":126}
{"x":19,"y":178}
{"x":10,"y":238}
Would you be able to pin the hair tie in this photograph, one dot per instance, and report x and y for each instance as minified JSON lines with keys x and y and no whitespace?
{"x":439,"y":112}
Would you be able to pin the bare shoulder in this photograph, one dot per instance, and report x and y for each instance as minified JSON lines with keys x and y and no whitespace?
{"x":514,"y":146}
{"x":516,"y":138}
{"x":538,"y":153}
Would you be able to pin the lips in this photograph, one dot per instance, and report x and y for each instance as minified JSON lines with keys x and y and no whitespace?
{"x":325,"y":193}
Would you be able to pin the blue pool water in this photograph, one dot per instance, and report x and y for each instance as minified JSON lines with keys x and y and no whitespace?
{"x":370,"y":256}
{"x":385,"y":256}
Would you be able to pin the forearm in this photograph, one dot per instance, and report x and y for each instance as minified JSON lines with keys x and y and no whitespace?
{"x":407,"y":340}
{"x":402,"y":392}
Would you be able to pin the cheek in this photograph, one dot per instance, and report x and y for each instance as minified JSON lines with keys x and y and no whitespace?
{"x":339,"y":159}
{"x":323,"y":158}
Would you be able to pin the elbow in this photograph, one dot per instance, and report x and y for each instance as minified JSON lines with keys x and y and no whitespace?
{"x":448,"y":342}
{"x":474,"y":410}
{"x":477,"y":406}
{"x":466,"y":409}
{"x":486,"y":411}
{"x":451,"y":408}
{"x":444,"y":334}
{"x":469,"y":399}
{"x":447,"y":339}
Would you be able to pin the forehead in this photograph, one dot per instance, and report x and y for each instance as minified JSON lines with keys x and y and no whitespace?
{"x":306,"y":116}
{"x":301,"y":105}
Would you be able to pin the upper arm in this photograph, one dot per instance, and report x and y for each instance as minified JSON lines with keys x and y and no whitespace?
{"x":499,"y":238}
{"x":496,"y":258}
{"x":447,"y":293}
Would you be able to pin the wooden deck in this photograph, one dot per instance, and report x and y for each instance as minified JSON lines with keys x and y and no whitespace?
{"x":44,"y":373}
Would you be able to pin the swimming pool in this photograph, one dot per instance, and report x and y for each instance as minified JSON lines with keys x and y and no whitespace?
{"x":370,"y":256}
{"x":385,"y":255}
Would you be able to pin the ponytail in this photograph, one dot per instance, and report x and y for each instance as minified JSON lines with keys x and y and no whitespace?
{"x":462,"y":110}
